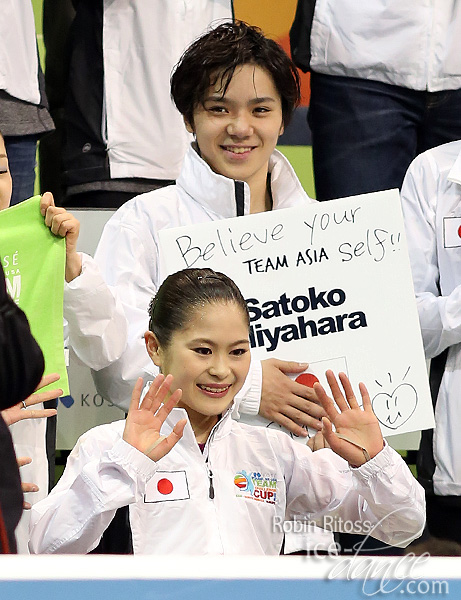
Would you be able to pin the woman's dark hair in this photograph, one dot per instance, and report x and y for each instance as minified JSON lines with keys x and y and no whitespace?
{"x":181,"y":293}
{"x":215,"y":56}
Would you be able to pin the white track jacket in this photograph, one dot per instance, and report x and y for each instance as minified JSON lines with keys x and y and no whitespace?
{"x":412,"y":44}
{"x":128,"y":259}
{"x":431,"y":201}
{"x":232,"y":499}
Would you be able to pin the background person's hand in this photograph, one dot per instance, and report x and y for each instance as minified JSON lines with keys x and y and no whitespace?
{"x":317,"y":442}
{"x":19,"y":412}
{"x":291,"y":404}
{"x":64,"y":224}
{"x":26,"y":487}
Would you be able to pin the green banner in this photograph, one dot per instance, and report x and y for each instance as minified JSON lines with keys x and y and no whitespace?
{"x":33,"y":260}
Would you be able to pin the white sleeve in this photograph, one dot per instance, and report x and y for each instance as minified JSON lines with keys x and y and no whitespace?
{"x":381,"y":498}
{"x":439,"y":316}
{"x":101,"y":476}
{"x":127,"y":256}
{"x":97,"y":326}
{"x":247,"y":401}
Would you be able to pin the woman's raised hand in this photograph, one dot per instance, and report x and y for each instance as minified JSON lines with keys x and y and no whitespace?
{"x":358,"y":436}
{"x":144,"y":421}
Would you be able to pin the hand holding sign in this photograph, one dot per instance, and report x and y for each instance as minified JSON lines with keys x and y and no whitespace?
{"x":63,"y":224}
{"x":144,"y":421}
{"x":289,"y":403}
{"x":356,"y":428}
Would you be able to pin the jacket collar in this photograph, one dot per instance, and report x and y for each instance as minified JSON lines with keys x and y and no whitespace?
{"x":455,"y":171}
{"x":228,"y":198}
{"x":220,"y":430}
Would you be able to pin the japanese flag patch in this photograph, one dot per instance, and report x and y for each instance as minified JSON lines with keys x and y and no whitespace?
{"x":452,"y":232}
{"x":167,"y":485}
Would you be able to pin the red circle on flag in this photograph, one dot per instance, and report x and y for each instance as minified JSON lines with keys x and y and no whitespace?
{"x":307,"y":379}
{"x":459,"y":231}
{"x":165,"y":486}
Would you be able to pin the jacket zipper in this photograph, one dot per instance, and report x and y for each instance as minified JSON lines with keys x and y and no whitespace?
{"x":210,"y":477}
{"x":210,"y":472}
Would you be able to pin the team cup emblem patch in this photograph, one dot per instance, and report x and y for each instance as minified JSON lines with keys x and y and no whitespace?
{"x":256,"y":486}
{"x":167,"y":485}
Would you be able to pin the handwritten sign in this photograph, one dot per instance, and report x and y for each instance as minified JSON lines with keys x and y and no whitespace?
{"x":330,"y":284}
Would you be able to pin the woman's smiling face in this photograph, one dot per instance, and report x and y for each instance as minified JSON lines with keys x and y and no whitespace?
{"x":209,"y":358}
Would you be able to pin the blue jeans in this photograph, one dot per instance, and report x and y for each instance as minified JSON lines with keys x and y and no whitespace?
{"x":21,"y":151}
{"x":366,"y":133}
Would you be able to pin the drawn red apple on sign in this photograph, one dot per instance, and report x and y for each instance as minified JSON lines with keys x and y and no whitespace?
{"x":395,"y":410}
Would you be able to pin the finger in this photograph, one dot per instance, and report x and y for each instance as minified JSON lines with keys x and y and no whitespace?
{"x":47,"y":379}
{"x":29,"y":487}
{"x":306,"y":407}
{"x":300,"y":418}
{"x":327,"y":431}
{"x":23,"y":460}
{"x":69,"y":225}
{"x":45,"y":201}
{"x":350,"y":396}
{"x":336,"y":444}
{"x":326,"y":401}
{"x":169,"y":442}
{"x":301,"y":390}
{"x":316,"y":442}
{"x":158,"y":400}
{"x":290,"y":366}
{"x":36,"y":398}
{"x":148,"y":399}
{"x":366,"y":401}
{"x":45,"y":413}
{"x":136,"y":394}
{"x":336,"y":391}
{"x":51,"y":212}
{"x":59,"y":222}
{"x":168,"y":406}
{"x":290,"y":425}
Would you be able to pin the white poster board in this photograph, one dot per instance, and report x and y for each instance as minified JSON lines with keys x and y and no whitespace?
{"x":326,"y":283}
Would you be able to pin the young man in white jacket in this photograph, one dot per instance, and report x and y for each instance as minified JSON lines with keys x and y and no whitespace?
{"x":231,"y":169}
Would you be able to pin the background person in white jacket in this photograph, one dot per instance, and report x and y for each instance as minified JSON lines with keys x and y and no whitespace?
{"x":385,"y":86}
{"x":197,"y":482}
{"x":431,"y":202}
{"x":123,"y":135}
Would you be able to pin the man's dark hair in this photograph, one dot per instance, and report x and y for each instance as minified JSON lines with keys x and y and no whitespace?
{"x":214,"y":57}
